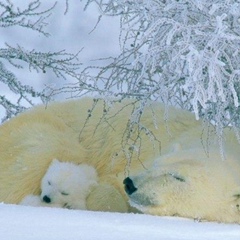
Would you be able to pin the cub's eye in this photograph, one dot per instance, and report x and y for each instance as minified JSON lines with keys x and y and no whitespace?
{"x":64,"y":193}
{"x":49,"y":183}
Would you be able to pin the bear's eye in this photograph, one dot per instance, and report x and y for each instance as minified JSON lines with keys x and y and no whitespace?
{"x":49,"y":183}
{"x":177,"y":177}
{"x":181,"y":179}
{"x":64,"y":193}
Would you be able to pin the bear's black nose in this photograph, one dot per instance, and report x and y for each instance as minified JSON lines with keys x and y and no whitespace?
{"x":129,"y":186}
{"x":46,"y":199}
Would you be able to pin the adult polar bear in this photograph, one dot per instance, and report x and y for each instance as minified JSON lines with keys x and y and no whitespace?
{"x":83,"y":131}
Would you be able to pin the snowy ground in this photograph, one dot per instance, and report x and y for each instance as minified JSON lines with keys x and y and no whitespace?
{"x":32,"y":223}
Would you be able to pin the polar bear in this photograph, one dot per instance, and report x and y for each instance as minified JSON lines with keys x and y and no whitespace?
{"x":65,"y":185}
{"x":85,"y":131}
{"x":186,"y":183}
{"x":92,"y":132}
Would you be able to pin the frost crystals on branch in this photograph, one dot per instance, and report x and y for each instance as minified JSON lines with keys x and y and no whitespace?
{"x":178,"y":51}
{"x":62,"y":64}
{"x":27,"y":18}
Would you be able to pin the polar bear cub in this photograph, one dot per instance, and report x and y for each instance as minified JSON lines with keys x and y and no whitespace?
{"x":65,"y":185}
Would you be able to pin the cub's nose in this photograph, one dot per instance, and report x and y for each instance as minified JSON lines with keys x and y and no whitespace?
{"x":46,"y":199}
{"x":129,"y":186}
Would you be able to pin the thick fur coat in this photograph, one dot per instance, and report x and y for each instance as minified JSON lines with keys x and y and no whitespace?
{"x":86,"y":131}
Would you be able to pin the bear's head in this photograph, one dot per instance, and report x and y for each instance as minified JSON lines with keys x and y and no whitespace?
{"x":68,"y":184}
{"x":188,"y":183}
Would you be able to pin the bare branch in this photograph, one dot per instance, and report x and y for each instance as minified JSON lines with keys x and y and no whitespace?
{"x":29,"y":17}
{"x":183,"y":52}
{"x":61,"y":63}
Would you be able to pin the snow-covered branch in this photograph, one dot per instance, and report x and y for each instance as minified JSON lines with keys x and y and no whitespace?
{"x":61,"y":63}
{"x":30,"y":17}
{"x":183,"y":52}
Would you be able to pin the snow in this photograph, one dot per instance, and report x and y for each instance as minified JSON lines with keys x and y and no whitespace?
{"x":38,"y":223}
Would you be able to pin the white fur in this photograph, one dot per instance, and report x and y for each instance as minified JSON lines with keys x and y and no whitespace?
{"x":35,"y":201}
{"x":190,"y":183}
{"x":66,"y":185}
{"x":189,"y":178}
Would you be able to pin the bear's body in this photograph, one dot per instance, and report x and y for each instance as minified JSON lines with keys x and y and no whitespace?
{"x":65,"y":185}
{"x":30,"y":141}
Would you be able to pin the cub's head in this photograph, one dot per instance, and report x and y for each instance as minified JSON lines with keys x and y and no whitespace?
{"x":68,"y":184}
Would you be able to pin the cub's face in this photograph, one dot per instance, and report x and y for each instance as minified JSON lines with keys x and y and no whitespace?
{"x":56,"y":191}
{"x":67,"y":184}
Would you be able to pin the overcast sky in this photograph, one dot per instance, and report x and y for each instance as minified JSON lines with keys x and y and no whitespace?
{"x":69,"y":32}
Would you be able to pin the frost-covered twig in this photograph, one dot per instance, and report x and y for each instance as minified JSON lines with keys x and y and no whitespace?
{"x":183,"y":52}
{"x":30,"y":17}
{"x":23,"y":92}
{"x":61,"y":63}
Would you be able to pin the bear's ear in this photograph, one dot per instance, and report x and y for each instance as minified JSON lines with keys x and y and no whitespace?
{"x":176,"y":147}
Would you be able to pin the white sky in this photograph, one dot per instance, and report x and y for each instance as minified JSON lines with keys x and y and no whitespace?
{"x":70,"y":32}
